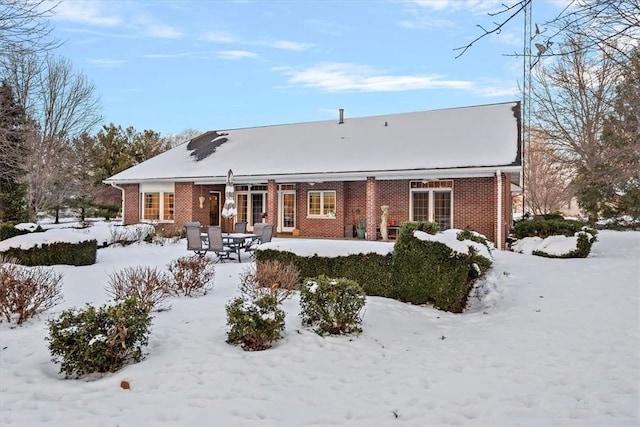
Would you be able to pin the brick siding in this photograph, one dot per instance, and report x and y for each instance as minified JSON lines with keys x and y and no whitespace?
{"x":474,"y":205}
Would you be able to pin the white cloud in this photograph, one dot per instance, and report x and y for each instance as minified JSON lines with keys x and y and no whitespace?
{"x":236,"y":54}
{"x":168,"y":55}
{"x":91,"y":13}
{"x":340,"y":77}
{"x":474,"y":6}
{"x":220,"y":37}
{"x":157,"y":30}
{"x":286,"y":45}
{"x":106,"y":62}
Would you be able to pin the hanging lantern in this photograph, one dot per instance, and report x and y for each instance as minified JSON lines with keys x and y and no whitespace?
{"x":201,"y":198}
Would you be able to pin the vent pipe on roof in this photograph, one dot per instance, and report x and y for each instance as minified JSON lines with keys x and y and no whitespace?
{"x":341,"y":120}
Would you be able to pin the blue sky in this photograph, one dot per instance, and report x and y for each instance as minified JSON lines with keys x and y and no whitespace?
{"x":206,"y":65}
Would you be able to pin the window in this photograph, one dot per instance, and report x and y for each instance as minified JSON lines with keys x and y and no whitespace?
{"x":432,"y":201}
{"x":151,"y":206}
{"x":158,"y":202}
{"x":321,"y":204}
{"x":167,"y":212}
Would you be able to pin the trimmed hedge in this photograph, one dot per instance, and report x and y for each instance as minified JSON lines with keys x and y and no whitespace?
{"x":417,"y":271}
{"x":8,"y":230}
{"x":547,"y":227}
{"x":83,"y":253}
{"x":431,"y":272}
{"x":586,"y":239}
{"x":371,"y":271}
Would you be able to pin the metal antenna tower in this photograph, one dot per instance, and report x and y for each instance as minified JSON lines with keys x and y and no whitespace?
{"x":526,"y":94}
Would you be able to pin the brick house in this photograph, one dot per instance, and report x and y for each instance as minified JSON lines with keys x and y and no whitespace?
{"x":451,"y":166}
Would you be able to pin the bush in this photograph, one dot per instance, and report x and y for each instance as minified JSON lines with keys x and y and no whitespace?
{"x":136,"y":233}
{"x":149,"y":286}
{"x":331,"y":306}
{"x":371,"y":271}
{"x":191,"y":275}
{"x":255,"y":324}
{"x":269,"y":278}
{"x":99,"y":340}
{"x":467,"y":234}
{"x":8,"y":230}
{"x":83,"y":253}
{"x":583,"y":247}
{"x":26,"y":291}
{"x":426,"y":271}
{"x":545,"y":228}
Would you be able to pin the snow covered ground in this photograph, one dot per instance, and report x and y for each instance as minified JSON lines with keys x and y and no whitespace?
{"x":546,"y":342}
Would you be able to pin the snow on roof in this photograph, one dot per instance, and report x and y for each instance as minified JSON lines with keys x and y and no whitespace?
{"x":469,"y":137}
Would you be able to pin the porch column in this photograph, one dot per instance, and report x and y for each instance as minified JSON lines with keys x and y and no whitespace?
{"x":371,"y":208}
{"x":272,"y":203}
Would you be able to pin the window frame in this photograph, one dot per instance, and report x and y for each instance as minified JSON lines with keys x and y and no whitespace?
{"x":325,"y":212}
{"x":166,"y":200}
{"x":432,"y":187}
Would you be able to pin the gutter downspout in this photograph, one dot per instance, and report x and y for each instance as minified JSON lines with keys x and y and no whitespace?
{"x":499,"y":216}
{"x":122,"y":198}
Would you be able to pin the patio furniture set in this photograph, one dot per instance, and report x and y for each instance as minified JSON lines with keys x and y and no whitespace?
{"x":226,"y":245}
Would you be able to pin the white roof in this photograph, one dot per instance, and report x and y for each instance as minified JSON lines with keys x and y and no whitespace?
{"x":453,"y":142}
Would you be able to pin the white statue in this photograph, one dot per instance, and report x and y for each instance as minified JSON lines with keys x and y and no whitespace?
{"x":384,"y":220}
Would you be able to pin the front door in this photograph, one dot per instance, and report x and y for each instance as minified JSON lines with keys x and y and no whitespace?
{"x":214,"y":208}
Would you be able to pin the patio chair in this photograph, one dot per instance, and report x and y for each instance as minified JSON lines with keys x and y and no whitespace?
{"x":267,"y":233}
{"x":216,"y":244}
{"x":265,"y":237}
{"x":240,"y":227}
{"x":194,"y":239}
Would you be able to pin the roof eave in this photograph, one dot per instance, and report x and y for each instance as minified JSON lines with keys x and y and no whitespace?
{"x":469,"y":172}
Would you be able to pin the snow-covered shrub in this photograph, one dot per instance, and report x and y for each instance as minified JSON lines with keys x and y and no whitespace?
{"x":331,"y":305}
{"x":270,"y":277}
{"x":578,"y":246}
{"x":27,"y":291}
{"x":148,"y":285}
{"x":254,"y":324}
{"x":128,"y":234}
{"x":547,"y":227}
{"x":11,"y":229}
{"x":191,"y":275}
{"x":467,"y":234}
{"x":99,"y":340}
{"x":437,"y":268}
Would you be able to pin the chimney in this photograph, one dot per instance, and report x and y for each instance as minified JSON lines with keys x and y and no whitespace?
{"x":341,"y":121}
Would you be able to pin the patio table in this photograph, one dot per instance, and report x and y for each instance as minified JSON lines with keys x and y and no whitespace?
{"x":237,"y":240}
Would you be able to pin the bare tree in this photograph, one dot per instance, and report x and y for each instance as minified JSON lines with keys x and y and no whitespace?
{"x":547,"y":179}
{"x":24,"y":26}
{"x":63,"y":105}
{"x":571,"y":97}
{"x":178,"y":138}
{"x":604,"y":24}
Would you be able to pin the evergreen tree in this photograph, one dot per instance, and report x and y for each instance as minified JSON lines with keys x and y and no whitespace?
{"x":613,"y":188}
{"x":13,"y":132}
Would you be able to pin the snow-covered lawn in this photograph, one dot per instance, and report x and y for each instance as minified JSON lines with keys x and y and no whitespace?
{"x":548,"y":342}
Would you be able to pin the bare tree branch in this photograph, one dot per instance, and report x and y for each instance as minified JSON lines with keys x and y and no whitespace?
{"x":24,"y":27}
{"x":518,"y":7}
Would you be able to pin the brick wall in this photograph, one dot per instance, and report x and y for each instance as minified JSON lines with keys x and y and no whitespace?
{"x":131,"y":214}
{"x":474,"y":205}
{"x":320,"y":227}
{"x":186,"y":201}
